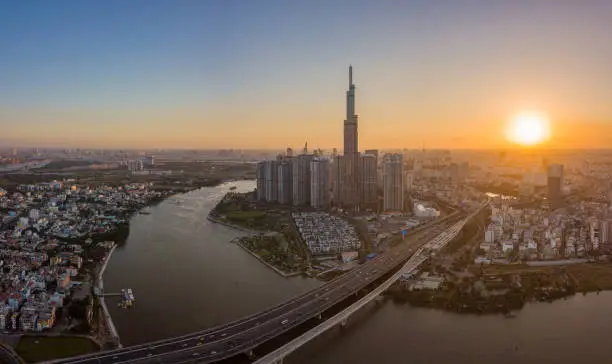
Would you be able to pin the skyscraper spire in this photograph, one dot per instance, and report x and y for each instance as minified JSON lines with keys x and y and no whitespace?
{"x":350,"y":75}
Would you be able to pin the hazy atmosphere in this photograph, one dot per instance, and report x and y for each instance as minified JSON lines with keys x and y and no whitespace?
{"x":151,"y":74}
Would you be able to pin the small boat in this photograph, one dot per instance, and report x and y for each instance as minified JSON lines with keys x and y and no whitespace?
{"x":144,"y":213}
{"x":233,"y":188}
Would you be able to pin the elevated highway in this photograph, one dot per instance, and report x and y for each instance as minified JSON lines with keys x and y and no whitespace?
{"x":243,"y":335}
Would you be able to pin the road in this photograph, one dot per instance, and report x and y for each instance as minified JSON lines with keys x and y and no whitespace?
{"x":8,"y":356}
{"x":245,"y":334}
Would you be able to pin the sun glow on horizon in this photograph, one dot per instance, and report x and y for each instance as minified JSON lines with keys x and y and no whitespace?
{"x":528,"y":128}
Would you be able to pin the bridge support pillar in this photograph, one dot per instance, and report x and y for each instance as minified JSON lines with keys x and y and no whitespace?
{"x":279,"y":361}
{"x":343,"y":322}
{"x":319,"y":316}
{"x":251,"y":355}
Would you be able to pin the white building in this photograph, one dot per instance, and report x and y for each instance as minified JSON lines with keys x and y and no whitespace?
{"x":135,"y":165}
{"x":419,"y":210}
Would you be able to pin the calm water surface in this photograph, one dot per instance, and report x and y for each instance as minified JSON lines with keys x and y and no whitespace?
{"x":187,"y":276}
{"x":185,"y":273}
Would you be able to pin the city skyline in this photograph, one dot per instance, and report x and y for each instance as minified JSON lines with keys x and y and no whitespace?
{"x":205,"y":76}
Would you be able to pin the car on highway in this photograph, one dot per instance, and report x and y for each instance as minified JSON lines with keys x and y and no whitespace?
{"x":285,"y":321}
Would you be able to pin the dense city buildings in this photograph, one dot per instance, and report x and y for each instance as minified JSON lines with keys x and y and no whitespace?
{"x":393,"y":182}
{"x":325,"y":234}
{"x":353,"y":179}
{"x":47,"y":230}
{"x":320,"y":183}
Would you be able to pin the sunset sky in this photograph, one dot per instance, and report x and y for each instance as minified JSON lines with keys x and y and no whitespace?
{"x":270,"y":74}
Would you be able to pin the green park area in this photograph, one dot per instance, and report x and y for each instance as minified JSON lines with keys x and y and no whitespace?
{"x":280,"y":246}
{"x":276,"y":250}
{"x":244,"y":216}
{"x":242,"y":210}
{"x":41,"y":348}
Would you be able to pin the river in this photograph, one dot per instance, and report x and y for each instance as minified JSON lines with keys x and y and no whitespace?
{"x":187,"y":276}
{"x":185,"y":273}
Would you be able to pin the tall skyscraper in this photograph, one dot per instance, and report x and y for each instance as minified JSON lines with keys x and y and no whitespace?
{"x":285,"y":180}
{"x":271,"y":180}
{"x":393,"y":182}
{"x":350,"y":176}
{"x":368,"y":178}
{"x":337,"y":175}
{"x":555,"y":183}
{"x":350,"y":124}
{"x":301,"y":179}
{"x":261,"y":181}
{"x":319,"y":183}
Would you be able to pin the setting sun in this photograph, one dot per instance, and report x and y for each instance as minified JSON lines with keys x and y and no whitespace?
{"x":528,"y":128}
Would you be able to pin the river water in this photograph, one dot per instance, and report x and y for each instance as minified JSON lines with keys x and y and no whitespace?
{"x":187,"y":276}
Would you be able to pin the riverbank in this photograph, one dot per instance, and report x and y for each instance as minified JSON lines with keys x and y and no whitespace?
{"x":108,"y":320}
{"x":284,"y":274}
{"x":233,"y":226}
{"x":500,"y":289}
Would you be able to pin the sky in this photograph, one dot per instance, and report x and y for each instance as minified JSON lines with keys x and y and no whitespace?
{"x":271,"y":74}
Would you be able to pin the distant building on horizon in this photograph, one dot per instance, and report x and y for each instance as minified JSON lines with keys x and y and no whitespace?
{"x":135,"y":165}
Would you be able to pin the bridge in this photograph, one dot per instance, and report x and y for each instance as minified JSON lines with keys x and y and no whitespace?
{"x":418,"y":258}
{"x":243,"y":335}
